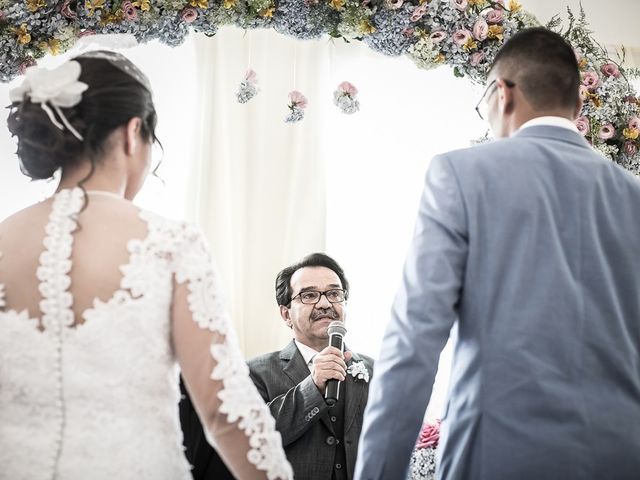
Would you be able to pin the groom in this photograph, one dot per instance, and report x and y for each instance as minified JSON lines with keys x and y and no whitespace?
{"x":529,"y":244}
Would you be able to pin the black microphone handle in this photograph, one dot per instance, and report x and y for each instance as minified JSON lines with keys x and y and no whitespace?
{"x":332,"y":392}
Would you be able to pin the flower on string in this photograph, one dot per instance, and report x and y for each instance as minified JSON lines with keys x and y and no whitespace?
{"x":248,"y":87}
{"x":297,"y":104}
{"x":345,"y":98}
{"x":358,"y":370}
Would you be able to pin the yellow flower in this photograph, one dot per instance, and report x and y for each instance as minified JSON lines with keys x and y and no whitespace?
{"x":631,"y":133}
{"x":23,"y":34}
{"x":496,"y":32}
{"x":53,"y":46}
{"x":229,"y":4}
{"x":470,"y":44}
{"x":424,"y":1}
{"x":440,"y":58}
{"x":421,"y":33}
{"x":479,"y":3}
{"x":337,"y":4}
{"x":514,"y":6}
{"x":582,"y":64}
{"x":35,"y":5}
{"x":204,"y":3}
{"x":595,"y":99}
{"x":367,"y":27}
{"x":144,"y":5}
{"x":92,"y":5}
{"x":267,"y":12}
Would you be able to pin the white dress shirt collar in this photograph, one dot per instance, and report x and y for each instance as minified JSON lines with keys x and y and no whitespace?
{"x":550,"y":121}
{"x":307,"y":352}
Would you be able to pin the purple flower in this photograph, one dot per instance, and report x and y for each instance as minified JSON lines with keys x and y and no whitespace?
{"x":460,"y":4}
{"x":610,"y":70}
{"x":437,"y":37}
{"x":630,"y":148}
{"x":495,"y":16}
{"x":461,"y":37}
{"x":189,"y":15}
{"x":591,"y":80}
{"x":480,"y":29}
{"x":477,"y":58}
{"x":583,"y":125}
{"x":607,"y":131}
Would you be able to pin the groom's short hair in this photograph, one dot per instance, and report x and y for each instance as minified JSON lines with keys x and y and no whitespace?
{"x":543,"y":65}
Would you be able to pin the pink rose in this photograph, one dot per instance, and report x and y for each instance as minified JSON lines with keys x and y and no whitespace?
{"x":583,"y":125}
{"x":461,"y":37}
{"x":578,"y":54}
{"x":87,"y":33}
{"x":408,"y":32}
{"x":251,"y":76}
{"x":394,"y":4}
{"x":429,"y":435}
{"x":477,"y":58}
{"x":29,"y":62}
{"x":419,"y":12}
{"x":634,"y":123}
{"x":437,"y":37}
{"x":610,"y":70}
{"x":348,"y":88}
{"x":629,"y":148}
{"x":66,"y":10}
{"x":189,"y":15}
{"x":607,"y":131}
{"x":480,"y":29}
{"x":129,"y":11}
{"x":591,"y":80}
{"x":495,"y":16}
{"x":297,"y":99}
{"x":460,"y":4}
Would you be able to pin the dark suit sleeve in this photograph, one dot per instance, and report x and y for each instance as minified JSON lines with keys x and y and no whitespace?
{"x":296,"y":410}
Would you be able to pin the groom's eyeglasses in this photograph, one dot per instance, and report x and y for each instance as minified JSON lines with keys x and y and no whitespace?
{"x":335,"y":295}
{"x":482,"y":108}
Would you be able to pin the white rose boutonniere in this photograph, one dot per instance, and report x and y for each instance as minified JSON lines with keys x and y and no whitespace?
{"x":358,"y":370}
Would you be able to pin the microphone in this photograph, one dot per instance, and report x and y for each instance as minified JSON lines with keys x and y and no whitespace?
{"x":336,"y":333}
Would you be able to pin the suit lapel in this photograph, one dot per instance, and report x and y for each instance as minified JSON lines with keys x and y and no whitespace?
{"x":355,"y":394}
{"x":293,"y":363}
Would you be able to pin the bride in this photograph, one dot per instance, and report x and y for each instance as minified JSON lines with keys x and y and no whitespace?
{"x":100,"y":301}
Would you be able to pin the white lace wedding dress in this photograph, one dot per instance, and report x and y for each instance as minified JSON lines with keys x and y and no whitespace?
{"x":93,"y":394}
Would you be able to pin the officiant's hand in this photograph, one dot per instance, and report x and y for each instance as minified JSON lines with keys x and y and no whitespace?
{"x":329,"y":364}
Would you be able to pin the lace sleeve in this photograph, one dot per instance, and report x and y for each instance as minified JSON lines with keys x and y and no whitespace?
{"x":233,"y":414}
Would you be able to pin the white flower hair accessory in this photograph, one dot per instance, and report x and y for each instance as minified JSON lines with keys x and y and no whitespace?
{"x":358,"y":370}
{"x":58,"y":88}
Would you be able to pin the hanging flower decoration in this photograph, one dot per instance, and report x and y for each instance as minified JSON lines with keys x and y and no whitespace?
{"x":248,"y":87}
{"x":345,"y":98}
{"x":464,"y":34}
{"x":297,"y":104}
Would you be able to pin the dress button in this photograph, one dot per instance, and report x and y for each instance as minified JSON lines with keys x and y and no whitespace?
{"x":338,"y":466}
{"x":333,"y":418}
{"x":330,"y":440}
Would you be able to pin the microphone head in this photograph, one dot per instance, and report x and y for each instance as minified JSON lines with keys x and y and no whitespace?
{"x":337,"y":327}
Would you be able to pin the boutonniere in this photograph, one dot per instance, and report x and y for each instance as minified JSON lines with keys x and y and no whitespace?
{"x":358,"y":370}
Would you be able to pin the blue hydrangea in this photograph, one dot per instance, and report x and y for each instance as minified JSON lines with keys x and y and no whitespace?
{"x":390,"y":25}
{"x":297,"y":19}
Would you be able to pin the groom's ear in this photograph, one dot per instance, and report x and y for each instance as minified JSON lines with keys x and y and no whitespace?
{"x":286,"y":316}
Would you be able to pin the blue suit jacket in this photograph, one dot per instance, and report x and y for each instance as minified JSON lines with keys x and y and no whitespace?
{"x":532,"y":245}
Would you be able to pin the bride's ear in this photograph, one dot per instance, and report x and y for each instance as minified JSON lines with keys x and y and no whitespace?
{"x":132,"y":135}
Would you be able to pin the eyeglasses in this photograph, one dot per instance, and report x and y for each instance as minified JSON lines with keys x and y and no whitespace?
{"x":335,"y":295}
{"x":482,"y":108}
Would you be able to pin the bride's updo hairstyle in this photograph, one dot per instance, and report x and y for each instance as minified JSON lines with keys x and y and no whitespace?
{"x":116,"y":91}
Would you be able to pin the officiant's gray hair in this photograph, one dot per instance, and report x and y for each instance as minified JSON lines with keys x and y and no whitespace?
{"x":543,"y":65}
{"x":283,"y":279}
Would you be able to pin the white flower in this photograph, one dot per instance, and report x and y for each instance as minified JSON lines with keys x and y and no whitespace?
{"x":358,"y":370}
{"x":59,"y":87}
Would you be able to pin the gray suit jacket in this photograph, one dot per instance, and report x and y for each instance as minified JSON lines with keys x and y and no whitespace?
{"x":301,"y":414}
{"x":531,"y":244}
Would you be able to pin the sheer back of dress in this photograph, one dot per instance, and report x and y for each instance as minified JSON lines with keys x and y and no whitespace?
{"x":96,"y":306}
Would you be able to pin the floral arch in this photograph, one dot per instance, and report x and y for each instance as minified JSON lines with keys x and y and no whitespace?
{"x":464,"y":34}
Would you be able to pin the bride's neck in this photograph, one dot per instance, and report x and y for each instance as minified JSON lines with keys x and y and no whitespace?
{"x":108,"y":175}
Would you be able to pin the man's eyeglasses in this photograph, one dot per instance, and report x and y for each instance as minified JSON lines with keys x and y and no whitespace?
{"x":335,"y":295}
{"x":482,"y":108}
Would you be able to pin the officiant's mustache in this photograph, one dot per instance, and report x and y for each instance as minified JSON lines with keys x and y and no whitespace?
{"x":325,"y":312}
